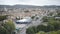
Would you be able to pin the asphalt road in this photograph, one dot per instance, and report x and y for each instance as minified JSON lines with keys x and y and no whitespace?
{"x":34,"y":23}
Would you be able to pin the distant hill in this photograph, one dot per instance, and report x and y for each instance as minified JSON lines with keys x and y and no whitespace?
{"x":28,"y":6}
{"x":19,"y":6}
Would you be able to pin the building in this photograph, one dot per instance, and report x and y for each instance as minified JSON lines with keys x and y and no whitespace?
{"x":26,"y":20}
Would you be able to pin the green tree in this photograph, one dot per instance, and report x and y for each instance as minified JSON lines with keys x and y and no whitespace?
{"x":30,"y":31}
{"x":41,"y":32}
{"x":3,"y":17}
{"x":7,"y":28}
{"x":41,"y":28}
{"x":58,"y":32}
{"x":45,"y":19}
{"x":33,"y":17}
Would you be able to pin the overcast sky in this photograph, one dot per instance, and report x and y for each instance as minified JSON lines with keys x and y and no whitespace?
{"x":30,"y":2}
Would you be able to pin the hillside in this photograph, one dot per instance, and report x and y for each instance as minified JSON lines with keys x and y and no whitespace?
{"x":28,"y":6}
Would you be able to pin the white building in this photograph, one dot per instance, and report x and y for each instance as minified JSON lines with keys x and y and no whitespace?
{"x":26,"y":20}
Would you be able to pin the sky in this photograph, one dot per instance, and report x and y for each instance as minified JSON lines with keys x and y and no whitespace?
{"x":30,"y":2}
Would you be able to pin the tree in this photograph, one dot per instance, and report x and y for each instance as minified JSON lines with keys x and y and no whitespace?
{"x":26,"y":11}
{"x":53,"y":27}
{"x":45,"y":19}
{"x":7,"y":28}
{"x":52,"y":32}
{"x":41,"y":32}
{"x":33,"y":17}
{"x":34,"y":29}
{"x":41,"y":28}
{"x":58,"y":32}
{"x":3,"y":17}
{"x":30,"y":31}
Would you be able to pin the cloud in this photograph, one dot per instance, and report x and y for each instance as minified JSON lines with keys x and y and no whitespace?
{"x":30,"y":2}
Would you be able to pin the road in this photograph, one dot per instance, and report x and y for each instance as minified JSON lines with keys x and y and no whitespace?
{"x":34,"y":23}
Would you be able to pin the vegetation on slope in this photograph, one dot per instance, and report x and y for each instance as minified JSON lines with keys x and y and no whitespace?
{"x":52,"y":26}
